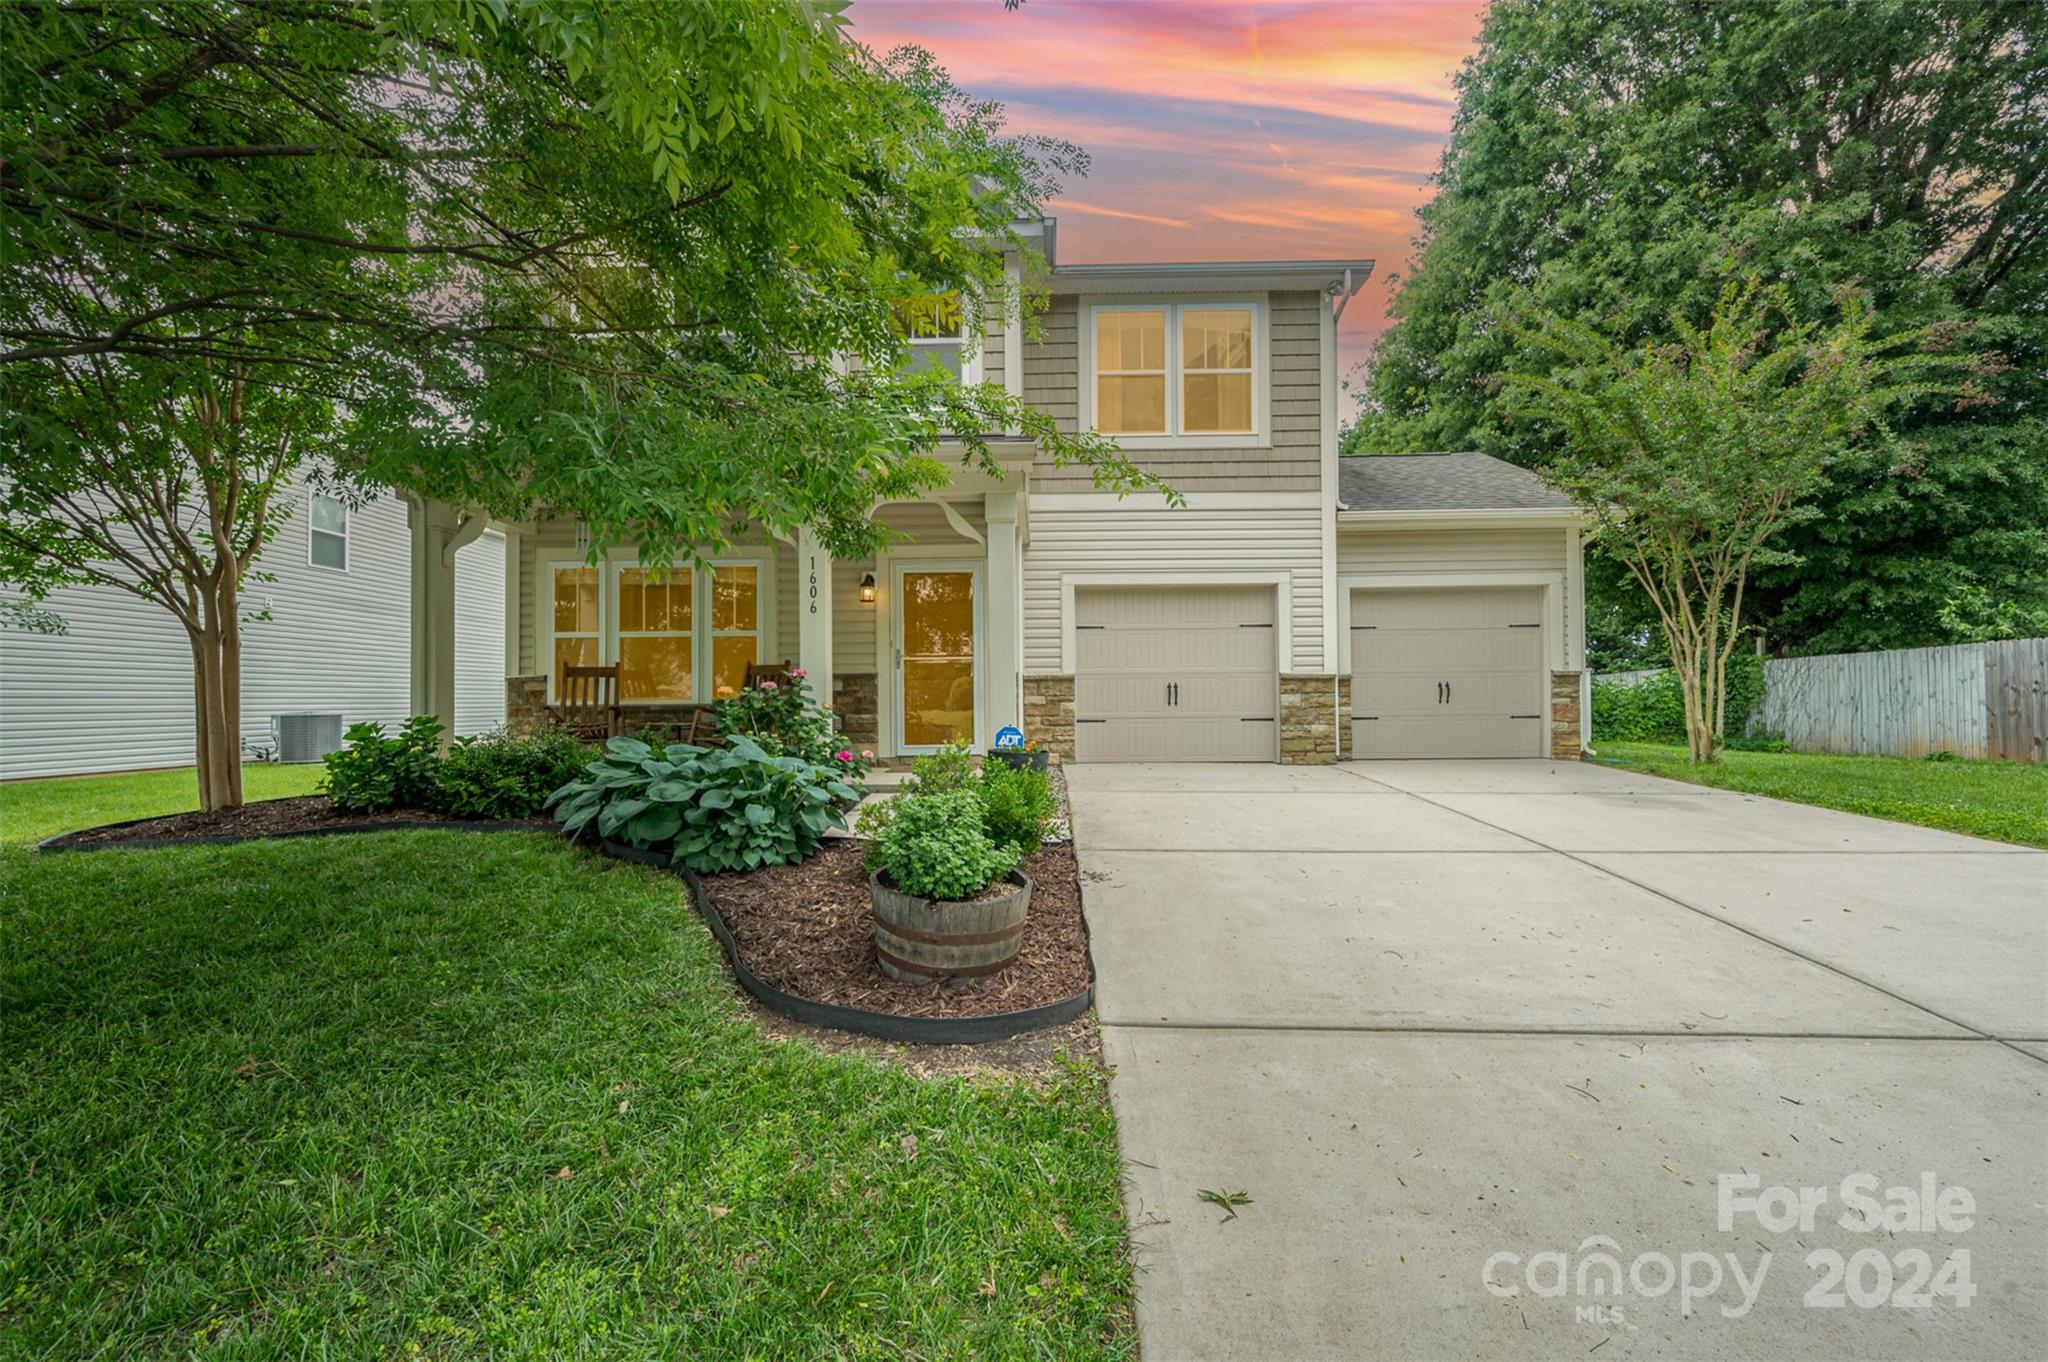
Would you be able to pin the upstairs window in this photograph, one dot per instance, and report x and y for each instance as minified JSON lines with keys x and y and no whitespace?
{"x":327,"y":542}
{"x":935,"y":325}
{"x":1176,"y":369}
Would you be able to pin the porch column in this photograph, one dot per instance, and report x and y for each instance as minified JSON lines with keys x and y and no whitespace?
{"x":814,"y":613}
{"x":1002,"y":688}
{"x":438,"y":530}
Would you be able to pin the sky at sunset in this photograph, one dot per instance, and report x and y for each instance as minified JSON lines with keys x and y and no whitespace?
{"x":1290,"y":129}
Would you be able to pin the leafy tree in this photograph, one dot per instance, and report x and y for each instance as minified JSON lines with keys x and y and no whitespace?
{"x":633,"y":263}
{"x":1691,"y":459}
{"x":1615,"y":162}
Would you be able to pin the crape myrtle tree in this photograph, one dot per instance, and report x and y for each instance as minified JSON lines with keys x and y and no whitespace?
{"x":1693,"y":459}
{"x":1608,"y":159}
{"x":645,"y":265}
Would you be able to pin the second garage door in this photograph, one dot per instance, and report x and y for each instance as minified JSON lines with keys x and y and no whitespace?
{"x":1447,"y":673}
{"x":1174,"y":674}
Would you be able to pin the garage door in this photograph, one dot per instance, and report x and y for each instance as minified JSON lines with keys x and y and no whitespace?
{"x":1451,"y":673}
{"x":1174,"y":674}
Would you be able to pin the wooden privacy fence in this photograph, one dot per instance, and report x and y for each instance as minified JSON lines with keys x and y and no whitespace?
{"x":1972,"y":699}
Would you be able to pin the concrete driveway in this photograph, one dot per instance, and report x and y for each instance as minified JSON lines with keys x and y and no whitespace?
{"x":1465,"y":1032}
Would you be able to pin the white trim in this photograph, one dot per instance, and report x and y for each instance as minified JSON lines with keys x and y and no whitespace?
{"x":1194,"y":501}
{"x":1013,"y":328}
{"x":1574,"y":602}
{"x":1487,"y":518}
{"x":348,"y":523}
{"x":1553,"y":584}
{"x":760,"y":557}
{"x":1282,"y":583}
{"x":1181,"y":274}
{"x":1327,"y":492}
{"x":959,"y":522}
{"x":1261,"y":434}
{"x":925,"y":562}
{"x":514,"y":583}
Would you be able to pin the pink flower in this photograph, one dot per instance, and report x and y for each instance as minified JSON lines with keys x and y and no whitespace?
{"x":866,"y":755}
{"x":798,"y":671}
{"x":843,"y":755}
{"x":769,"y":685}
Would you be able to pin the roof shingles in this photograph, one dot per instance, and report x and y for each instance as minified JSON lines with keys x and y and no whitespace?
{"x":1440,"y":482}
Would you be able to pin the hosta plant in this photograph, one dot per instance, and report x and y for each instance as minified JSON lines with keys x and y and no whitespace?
{"x":732,"y":808}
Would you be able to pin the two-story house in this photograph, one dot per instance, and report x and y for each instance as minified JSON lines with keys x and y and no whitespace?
{"x":1297,"y":608}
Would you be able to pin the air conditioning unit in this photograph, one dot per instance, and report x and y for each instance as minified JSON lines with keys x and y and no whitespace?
{"x":305,"y":735}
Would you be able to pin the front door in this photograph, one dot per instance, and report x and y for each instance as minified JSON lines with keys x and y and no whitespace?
{"x":938,"y":627}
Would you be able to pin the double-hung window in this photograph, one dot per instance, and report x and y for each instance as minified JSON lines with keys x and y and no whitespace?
{"x":677,"y":635}
{"x":1176,"y":369}
{"x":327,"y":532}
{"x":935,"y":326}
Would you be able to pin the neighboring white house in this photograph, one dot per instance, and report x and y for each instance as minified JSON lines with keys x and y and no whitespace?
{"x":115,"y":691}
{"x":1298,"y":608}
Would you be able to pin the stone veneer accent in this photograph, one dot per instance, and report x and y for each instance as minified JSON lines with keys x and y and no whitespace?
{"x":1049,"y":713}
{"x":526,"y":710}
{"x":526,"y":703}
{"x":1344,"y":730}
{"x":1564,"y":716}
{"x":1309,"y":728}
{"x":853,"y":700}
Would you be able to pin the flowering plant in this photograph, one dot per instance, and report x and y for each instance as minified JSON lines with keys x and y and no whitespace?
{"x":783,"y":717}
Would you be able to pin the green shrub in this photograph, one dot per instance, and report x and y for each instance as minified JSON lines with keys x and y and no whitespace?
{"x":946,"y":771}
{"x":933,"y":846}
{"x":1653,"y":710}
{"x":375,"y":772}
{"x":784,"y":719}
{"x":498,"y":775}
{"x":1017,"y":806}
{"x":733,"y":808}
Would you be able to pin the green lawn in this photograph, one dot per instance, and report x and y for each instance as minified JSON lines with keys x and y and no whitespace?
{"x":316,"y":1098}
{"x":31,"y":810}
{"x":2004,"y":800}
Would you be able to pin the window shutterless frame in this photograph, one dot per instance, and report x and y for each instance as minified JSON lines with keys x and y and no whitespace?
{"x":1176,"y":436}
{"x":324,"y":536}
{"x":701,"y":629}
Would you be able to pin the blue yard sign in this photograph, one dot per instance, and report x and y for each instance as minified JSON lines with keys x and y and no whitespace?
{"x":1009,"y":739}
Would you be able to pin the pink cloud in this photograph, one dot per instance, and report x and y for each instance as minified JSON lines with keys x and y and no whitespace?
{"x":1287,"y":129}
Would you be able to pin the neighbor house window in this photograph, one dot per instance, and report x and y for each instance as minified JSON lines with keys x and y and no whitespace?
{"x":1176,"y":369}
{"x":935,"y":325}
{"x":328,"y":542}
{"x":735,"y":625}
{"x":577,"y":620}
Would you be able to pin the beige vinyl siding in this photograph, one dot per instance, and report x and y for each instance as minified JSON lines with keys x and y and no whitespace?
{"x":1165,"y":546}
{"x":1363,"y":552}
{"x":993,"y":342}
{"x":1293,"y":462}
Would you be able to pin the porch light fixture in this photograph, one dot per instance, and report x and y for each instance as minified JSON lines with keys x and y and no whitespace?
{"x":867,"y":588}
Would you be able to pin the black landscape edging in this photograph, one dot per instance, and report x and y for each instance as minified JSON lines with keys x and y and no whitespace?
{"x":883,"y":1025}
{"x":54,"y":843}
{"x":832,"y":1016}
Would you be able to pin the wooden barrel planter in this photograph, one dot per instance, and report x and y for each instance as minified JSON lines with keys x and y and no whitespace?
{"x":922,"y":941}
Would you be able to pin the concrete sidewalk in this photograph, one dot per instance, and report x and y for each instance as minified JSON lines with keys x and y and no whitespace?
{"x":1440,"y":1019}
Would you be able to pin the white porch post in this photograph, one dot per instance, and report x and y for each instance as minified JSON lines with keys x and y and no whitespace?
{"x":437,"y":532}
{"x":814,"y":612}
{"x":513,"y":583}
{"x":1003,"y":686}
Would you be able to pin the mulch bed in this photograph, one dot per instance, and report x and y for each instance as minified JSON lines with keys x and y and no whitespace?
{"x":809,"y":929}
{"x":263,"y":818}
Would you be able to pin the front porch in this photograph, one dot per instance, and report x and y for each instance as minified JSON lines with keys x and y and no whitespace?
{"x":916,"y":646}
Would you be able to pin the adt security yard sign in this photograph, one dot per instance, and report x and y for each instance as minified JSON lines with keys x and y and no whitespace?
{"x":1009,"y":739}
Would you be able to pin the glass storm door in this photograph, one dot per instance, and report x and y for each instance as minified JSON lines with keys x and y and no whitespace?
{"x":935,"y":660}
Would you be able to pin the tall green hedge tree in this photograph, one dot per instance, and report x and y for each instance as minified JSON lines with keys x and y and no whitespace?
{"x":1694,"y":459}
{"x":1616,"y":161}
{"x":639,"y":263}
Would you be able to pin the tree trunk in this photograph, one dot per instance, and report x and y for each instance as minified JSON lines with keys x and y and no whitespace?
{"x":217,"y":700}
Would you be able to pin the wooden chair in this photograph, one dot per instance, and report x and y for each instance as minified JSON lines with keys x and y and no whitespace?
{"x":778,"y":672}
{"x":588,"y":703}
